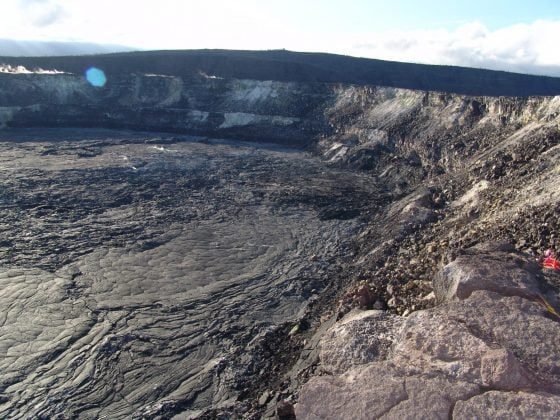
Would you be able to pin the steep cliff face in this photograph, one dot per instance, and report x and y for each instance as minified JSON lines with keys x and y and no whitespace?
{"x":354,"y":122}
{"x":202,"y":105}
{"x":462,"y":171}
{"x":459,"y":170}
{"x":439,"y":126}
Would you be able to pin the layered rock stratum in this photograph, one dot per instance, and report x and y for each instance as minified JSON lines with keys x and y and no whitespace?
{"x":230,"y":236}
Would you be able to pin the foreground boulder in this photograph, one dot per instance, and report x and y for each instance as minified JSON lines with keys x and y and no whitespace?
{"x":361,"y":337}
{"x":502,"y":405}
{"x":501,"y":271}
{"x":491,"y":349}
{"x":380,"y":390}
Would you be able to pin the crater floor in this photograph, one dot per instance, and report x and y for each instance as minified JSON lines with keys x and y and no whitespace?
{"x":138,"y":271}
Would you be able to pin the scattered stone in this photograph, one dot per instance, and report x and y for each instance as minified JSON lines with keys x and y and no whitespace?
{"x":264,"y":398}
{"x":429,"y":296}
{"x":294,"y":330}
{"x":364,"y":297}
{"x":285,"y":410}
{"x":379,"y":305}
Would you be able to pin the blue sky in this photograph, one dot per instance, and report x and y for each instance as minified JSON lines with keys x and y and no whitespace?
{"x":448,"y":14}
{"x":382,"y":15}
{"x":509,"y":35}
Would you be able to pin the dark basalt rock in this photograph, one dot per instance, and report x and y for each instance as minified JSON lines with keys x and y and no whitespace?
{"x":160,"y":288}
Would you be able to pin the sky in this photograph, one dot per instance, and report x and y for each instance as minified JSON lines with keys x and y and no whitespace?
{"x":514,"y":35}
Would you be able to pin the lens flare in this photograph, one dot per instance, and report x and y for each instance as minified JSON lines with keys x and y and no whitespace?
{"x":96,"y":77}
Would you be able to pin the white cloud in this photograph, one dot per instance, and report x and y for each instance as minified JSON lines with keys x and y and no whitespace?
{"x":27,"y":3}
{"x":42,"y":13}
{"x":253,"y":24}
{"x":526,"y":48}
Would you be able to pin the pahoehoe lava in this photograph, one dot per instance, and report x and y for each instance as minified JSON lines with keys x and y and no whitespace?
{"x":141,"y":275}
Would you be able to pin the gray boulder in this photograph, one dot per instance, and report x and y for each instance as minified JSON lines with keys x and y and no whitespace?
{"x":476,"y":339}
{"x":508,"y":406}
{"x":506,"y":273}
{"x":380,"y":390}
{"x":500,"y":369}
{"x":360,"y":337}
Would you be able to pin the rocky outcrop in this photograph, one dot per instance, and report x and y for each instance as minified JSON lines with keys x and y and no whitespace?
{"x":360,"y":338}
{"x":465,"y":275}
{"x":511,"y":405}
{"x":379,"y":390}
{"x":365,"y":126}
{"x":489,"y":349}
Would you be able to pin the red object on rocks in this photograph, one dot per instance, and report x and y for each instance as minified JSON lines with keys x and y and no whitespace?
{"x":551,"y":262}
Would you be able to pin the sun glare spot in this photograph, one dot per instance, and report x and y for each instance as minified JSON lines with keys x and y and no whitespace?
{"x":96,"y":77}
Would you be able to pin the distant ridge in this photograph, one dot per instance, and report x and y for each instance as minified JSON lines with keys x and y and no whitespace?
{"x":285,"y":65}
{"x":9,"y":47}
